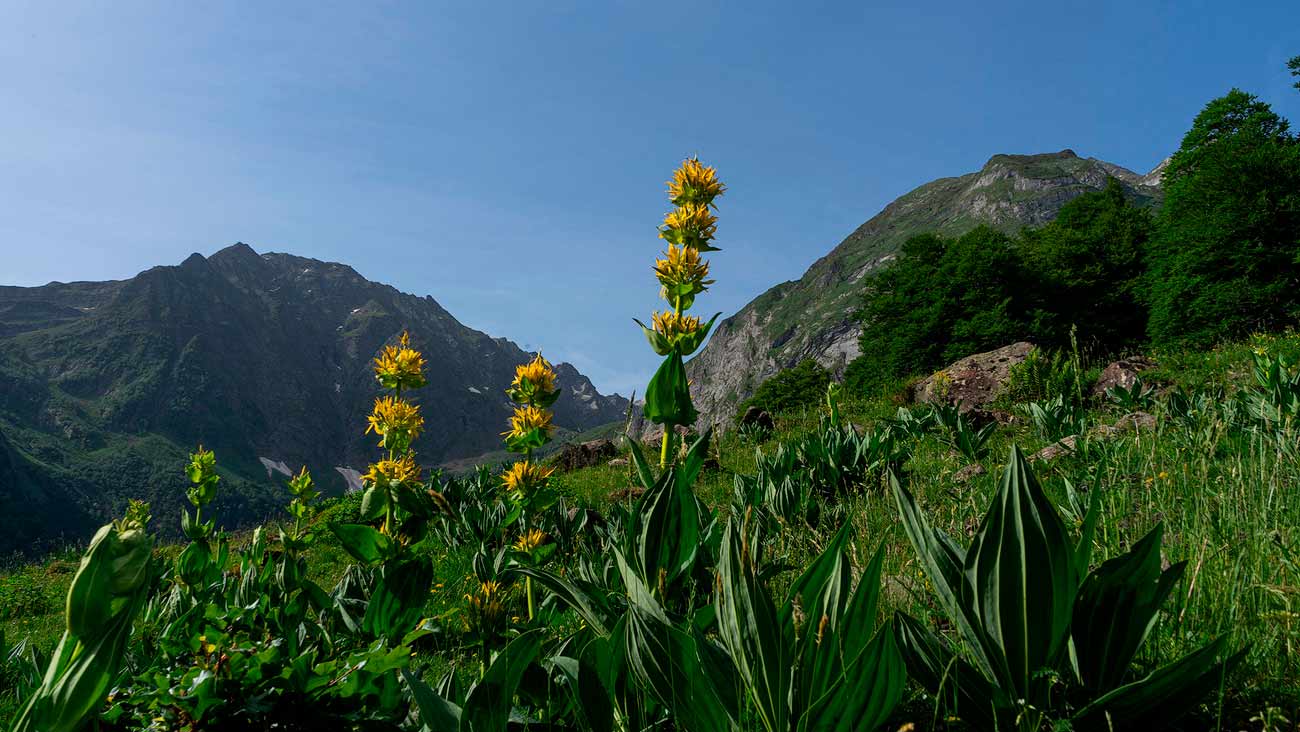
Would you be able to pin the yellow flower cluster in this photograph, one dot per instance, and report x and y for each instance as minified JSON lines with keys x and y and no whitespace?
{"x":529,"y":418}
{"x":672,"y":326}
{"x":682,"y":274}
{"x":530,"y":540}
{"x":401,"y":470}
{"x":487,"y":610}
{"x":538,"y":373}
{"x":400,"y":366}
{"x":693,"y":182}
{"x":397,"y":422}
{"x":524,"y":476}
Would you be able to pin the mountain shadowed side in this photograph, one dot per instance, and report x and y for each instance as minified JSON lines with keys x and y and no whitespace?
{"x":104,"y":387}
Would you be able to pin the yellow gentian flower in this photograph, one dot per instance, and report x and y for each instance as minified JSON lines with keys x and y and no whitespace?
{"x":400,"y":366}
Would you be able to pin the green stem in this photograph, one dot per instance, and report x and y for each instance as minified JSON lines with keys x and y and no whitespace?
{"x":528,"y":587}
{"x":663,"y":448}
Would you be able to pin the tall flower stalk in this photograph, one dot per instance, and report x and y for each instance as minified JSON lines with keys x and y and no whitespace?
{"x":398,"y":424}
{"x":683,"y":274}
{"x":533,"y":391}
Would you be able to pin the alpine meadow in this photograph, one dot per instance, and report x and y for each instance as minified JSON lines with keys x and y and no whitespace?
{"x":1022,"y":453}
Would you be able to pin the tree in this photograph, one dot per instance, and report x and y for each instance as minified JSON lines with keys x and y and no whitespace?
{"x":1086,"y":268}
{"x":1224,"y":260}
{"x":940,"y":300}
{"x":1294,"y":66}
{"x":791,"y":389}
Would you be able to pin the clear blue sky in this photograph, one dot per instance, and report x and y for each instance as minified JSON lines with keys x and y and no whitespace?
{"x":508,"y":158}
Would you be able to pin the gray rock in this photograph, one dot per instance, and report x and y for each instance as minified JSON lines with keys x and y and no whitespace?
{"x":967,"y":473}
{"x":1122,"y":373}
{"x":576,"y":455}
{"x":1064,"y":446}
{"x":1135,"y":422}
{"x":973,"y":382}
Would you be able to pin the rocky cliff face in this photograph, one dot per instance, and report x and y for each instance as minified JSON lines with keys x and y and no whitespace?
{"x":812,"y":317}
{"x":103,"y":386}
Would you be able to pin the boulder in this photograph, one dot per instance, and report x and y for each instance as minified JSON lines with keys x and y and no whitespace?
{"x":577,"y":455}
{"x":1135,"y":422}
{"x":1122,"y":373}
{"x":967,"y":473}
{"x":972,"y":382}
{"x":1063,"y":446}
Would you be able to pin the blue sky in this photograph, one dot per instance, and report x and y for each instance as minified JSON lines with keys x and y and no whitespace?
{"x":508,"y":158}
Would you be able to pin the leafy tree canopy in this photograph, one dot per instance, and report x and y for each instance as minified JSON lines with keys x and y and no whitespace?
{"x":1224,"y":261}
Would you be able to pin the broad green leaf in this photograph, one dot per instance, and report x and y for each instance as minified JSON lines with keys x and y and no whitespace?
{"x":866,"y":695}
{"x":1116,"y":607}
{"x":589,"y":605}
{"x":643,"y":470}
{"x":759,"y":644}
{"x":366,"y":543}
{"x":665,"y":531}
{"x":488,"y":707}
{"x":1158,"y":699}
{"x":664,"y":660}
{"x":668,"y":395}
{"x":689,"y":469}
{"x":1021,"y":570}
{"x":436,"y":713}
{"x":860,"y":615}
{"x":961,"y":688}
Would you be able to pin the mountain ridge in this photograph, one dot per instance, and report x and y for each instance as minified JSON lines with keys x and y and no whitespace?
{"x":104,"y":386}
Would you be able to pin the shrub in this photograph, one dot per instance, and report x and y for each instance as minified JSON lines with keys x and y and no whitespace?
{"x":22,"y":596}
{"x":790,"y":390}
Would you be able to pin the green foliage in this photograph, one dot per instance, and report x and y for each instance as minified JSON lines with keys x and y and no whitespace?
{"x":1044,"y":374}
{"x":22,"y":595}
{"x":942,"y":299}
{"x":108,"y":590}
{"x":1044,"y":639}
{"x":1224,"y":263}
{"x":1085,"y":271}
{"x":791,"y":390}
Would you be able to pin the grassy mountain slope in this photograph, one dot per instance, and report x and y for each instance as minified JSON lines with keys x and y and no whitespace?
{"x":812,"y":317}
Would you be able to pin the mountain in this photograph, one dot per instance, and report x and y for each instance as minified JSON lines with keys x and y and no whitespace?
{"x":264,"y":358}
{"x":812,"y":317}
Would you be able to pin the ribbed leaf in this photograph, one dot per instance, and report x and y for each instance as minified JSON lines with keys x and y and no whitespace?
{"x":665,"y":662}
{"x":758,"y":643}
{"x":860,"y":616}
{"x":1021,"y":569}
{"x":944,"y":563}
{"x":488,"y":707}
{"x":962,"y":689}
{"x":866,"y":695}
{"x":690,"y":466}
{"x":665,"y":531}
{"x":589,"y":605}
{"x":436,"y":713}
{"x":644,"y":473}
{"x":1116,"y":608}
{"x":1160,"y":698}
